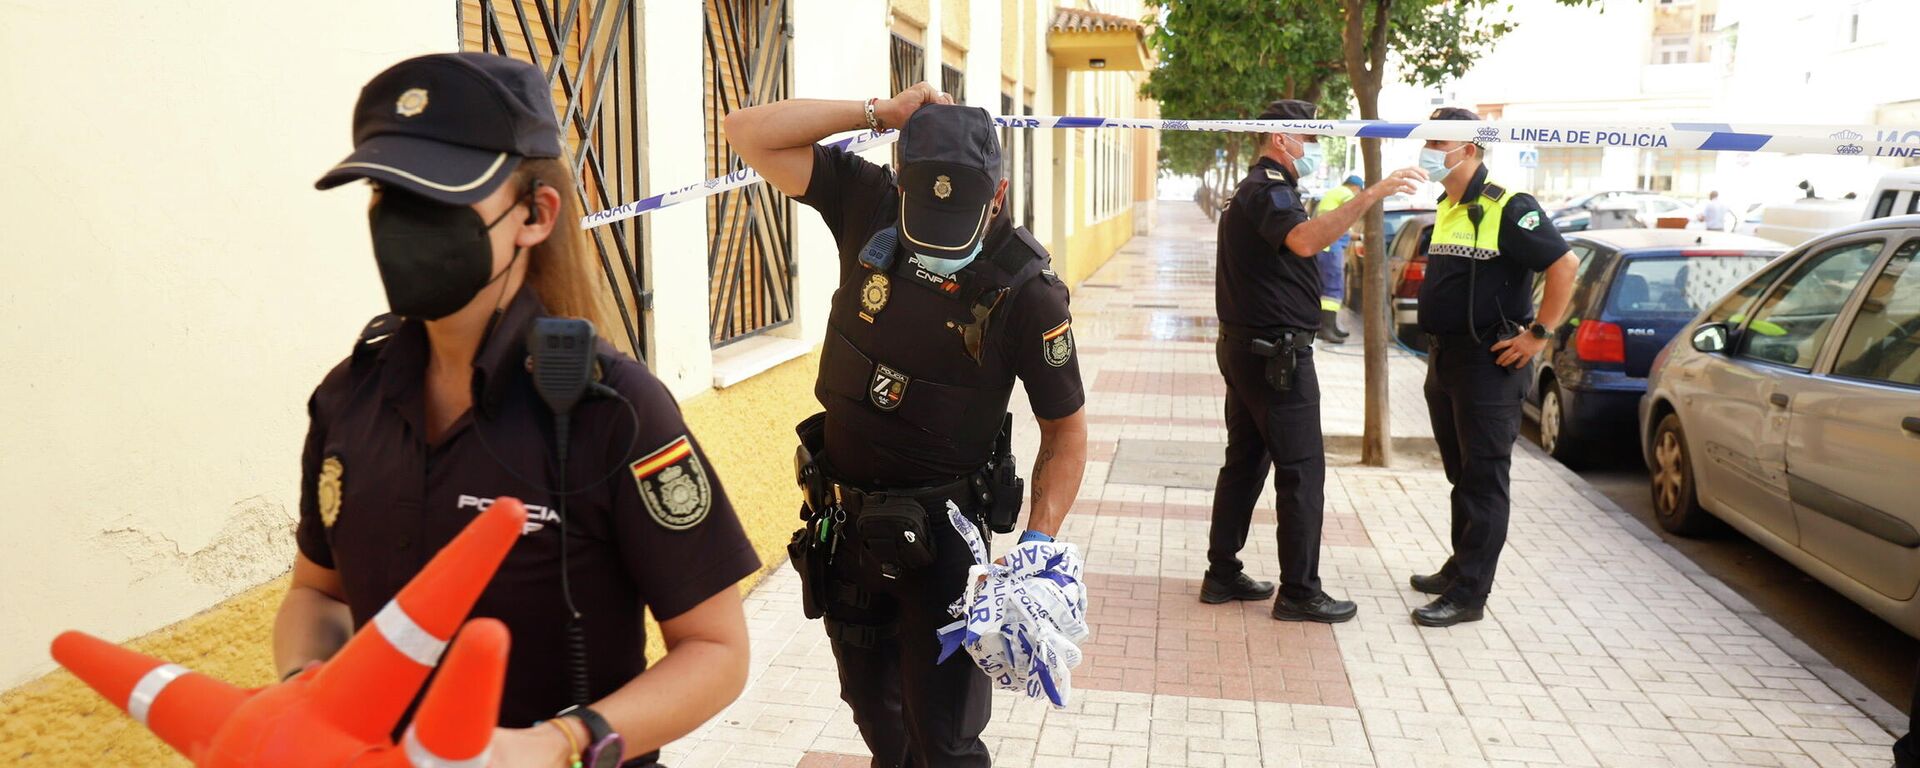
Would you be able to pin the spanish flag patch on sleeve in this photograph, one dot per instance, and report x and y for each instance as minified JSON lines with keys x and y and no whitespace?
{"x":673,"y":485}
{"x":1058,"y":343}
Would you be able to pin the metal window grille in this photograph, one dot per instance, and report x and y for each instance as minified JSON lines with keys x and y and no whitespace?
{"x":750,"y":230}
{"x":586,"y":48}
{"x":909,"y":63}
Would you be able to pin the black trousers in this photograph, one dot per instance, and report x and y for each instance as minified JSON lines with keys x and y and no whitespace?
{"x":1475,"y":408}
{"x":911,"y":711}
{"x":1270,"y":430}
{"x":1906,"y":751}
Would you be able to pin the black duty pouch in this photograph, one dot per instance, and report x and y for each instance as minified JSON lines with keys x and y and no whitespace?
{"x":1281,"y":363}
{"x":810,"y":561}
{"x":895,"y":534}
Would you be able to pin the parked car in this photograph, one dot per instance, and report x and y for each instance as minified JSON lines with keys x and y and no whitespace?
{"x":1635,"y":289}
{"x":1406,"y":269}
{"x":1577,"y":215}
{"x":1790,"y":409}
{"x":1398,"y":211}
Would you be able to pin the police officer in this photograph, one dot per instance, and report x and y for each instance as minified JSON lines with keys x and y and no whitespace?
{"x":1333,"y":264}
{"x":1476,"y":307}
{"x":942,"y":303}
{"x":1267,"y":291}
{"x":435,"y":415}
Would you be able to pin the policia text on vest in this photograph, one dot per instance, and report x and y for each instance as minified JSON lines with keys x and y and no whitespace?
{"x":942,"y":305}
{"x":1476,"y":306}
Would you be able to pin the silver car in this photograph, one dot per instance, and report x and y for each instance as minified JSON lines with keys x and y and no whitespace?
{"x":1790,"y":409}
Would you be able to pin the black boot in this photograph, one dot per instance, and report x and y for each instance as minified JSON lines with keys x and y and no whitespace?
{"x":1330,"y":329}
{"x":1330,"y":318}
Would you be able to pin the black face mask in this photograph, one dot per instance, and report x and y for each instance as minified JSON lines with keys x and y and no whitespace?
{"x":433,"y":258}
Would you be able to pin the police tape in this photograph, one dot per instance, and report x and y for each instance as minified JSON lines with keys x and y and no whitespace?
{"x":1840,"y":140}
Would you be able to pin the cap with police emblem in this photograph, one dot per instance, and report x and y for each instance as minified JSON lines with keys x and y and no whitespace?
{"x":451,"y":126}
{"x":949,"y":170}
{"x":1289,"y":109}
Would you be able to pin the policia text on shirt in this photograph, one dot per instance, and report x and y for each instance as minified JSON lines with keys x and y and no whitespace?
{"x":1268,"y":291}
{"x":942,"y":303}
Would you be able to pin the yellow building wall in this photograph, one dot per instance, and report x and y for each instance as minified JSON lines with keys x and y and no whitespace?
{"x":746,"y":431}
{"x":956,"y":21}
{"x":1094,"y":245}
{"x":916,"y":11}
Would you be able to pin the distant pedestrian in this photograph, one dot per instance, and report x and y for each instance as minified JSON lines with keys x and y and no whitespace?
{"x":1713,"y":213}
{"x":1333,"y":264}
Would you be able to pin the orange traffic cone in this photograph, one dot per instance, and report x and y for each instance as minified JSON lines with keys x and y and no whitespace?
{"x":367,"y":686}
{"x":183,"y":708}
{"x":455,"y":722}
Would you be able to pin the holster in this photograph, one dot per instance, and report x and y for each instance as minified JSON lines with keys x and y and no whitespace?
{"x":810,"y":561}
{"x":816,"y":490}
{"x":998,"y":486}
{"x":1282,"y":363}
{"x":895,"y":533}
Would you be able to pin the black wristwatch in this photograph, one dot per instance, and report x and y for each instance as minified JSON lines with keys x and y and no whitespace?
{"x":1538,"y":331}
{"x":605,"y":748}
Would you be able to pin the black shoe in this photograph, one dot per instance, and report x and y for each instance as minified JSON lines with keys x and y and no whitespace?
{"x":1240,"y":587}
{"x":1330,"y":322}
{"x":1432,"y":584}
{"x":1321,"y":608}
{"x":1444,"y":612}
{"x":1326,"y":335}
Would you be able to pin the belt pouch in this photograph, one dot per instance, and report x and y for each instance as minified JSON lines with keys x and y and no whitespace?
{"x":811,"y":563}
{"x":895,"y":533}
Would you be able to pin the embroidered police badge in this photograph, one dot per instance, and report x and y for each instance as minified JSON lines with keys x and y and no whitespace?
{"x":327,"y":490}
{"x":942,"y":187}
{"x":411,"y":103}
{"x":873,"y":296}
{"x":888,"y":388}
{"x":1530,"y":221}
{"x":674,"y":486}
{"x":1059,"y":344}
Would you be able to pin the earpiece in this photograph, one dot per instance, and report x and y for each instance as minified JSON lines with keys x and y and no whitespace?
{"x":533,"y":202}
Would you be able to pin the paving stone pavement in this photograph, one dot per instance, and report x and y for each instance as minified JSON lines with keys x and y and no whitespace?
{"x":1598,"y":649}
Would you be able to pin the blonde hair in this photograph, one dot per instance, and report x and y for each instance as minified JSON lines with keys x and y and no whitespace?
{"x":560,"y":268}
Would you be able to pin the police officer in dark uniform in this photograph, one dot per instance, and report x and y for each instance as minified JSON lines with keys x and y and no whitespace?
{"x":942,"y":304}
{"x":436,"y":414}
{"x":1476,"y":307}
{"x":1267,"y":291}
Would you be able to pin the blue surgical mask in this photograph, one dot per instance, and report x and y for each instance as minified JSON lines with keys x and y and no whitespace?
{"x":1311,"y":157}
{"x":947,"y":267}
{"x":1434,"y":162}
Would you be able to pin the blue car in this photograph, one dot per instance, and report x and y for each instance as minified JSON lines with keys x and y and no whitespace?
{"x":1636,"y":289}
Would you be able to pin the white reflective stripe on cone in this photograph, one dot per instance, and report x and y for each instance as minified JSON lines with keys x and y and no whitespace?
{"x":408,"y":637}
{"x":140,"y":702}
{"x":420,"y":757}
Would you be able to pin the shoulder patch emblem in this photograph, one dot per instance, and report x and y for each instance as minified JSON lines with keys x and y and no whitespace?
{"x":873,"y":295}
{"x":1059,"y":344}
{"x":888,"y":388}
{"x":327,"y":490}
{"x":674,"y":485}
{"x":1273,"y":175}
{"x":1530,"y":221}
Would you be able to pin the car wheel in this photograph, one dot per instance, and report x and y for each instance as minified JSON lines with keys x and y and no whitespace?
{"x":1675,"y":503}
{"x":1555,"y":438}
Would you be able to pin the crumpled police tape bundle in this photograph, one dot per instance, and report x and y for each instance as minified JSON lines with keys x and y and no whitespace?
{"x":1022,"y":622}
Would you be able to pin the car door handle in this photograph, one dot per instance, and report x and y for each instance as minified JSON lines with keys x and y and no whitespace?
{"x":1911,"y":424}
{"x":1778,"y":399}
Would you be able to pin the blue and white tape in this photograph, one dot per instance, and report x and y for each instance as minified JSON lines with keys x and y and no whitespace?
{"x":1841,"y":140}
{"x":1022,"y":621}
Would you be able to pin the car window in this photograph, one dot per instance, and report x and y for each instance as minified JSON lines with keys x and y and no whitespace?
{"x":1733,"y":309}
{"x":1884,"y":342}
{"x":1677,"y":285}
{"x":1790,"y":324}
{"x":1883,"y":207}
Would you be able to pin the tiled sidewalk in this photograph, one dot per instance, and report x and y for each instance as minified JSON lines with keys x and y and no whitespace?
{"x":1601,"y":647}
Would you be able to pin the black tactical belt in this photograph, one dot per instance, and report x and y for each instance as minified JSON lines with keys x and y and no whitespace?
{"x":1286,"y":337}
{"x":959,"y":492}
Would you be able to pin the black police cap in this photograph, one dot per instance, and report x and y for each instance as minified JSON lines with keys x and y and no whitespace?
{"x":1289,"y":109}
{"x":1454,"y":113}
{"x":451,"y":126}
{"x":949,"y":169}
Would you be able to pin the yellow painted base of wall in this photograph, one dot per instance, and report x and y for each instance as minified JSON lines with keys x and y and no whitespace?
{"x":1092,"y":246}
{"x":746,"y":430}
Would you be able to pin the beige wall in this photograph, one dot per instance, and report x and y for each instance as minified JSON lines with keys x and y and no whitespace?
{"x":174,"y":289}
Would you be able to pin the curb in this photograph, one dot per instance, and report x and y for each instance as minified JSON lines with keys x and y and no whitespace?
{"x":1882,"y":712}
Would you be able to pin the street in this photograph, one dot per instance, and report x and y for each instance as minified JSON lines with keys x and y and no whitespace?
{"x":1859,"y":643}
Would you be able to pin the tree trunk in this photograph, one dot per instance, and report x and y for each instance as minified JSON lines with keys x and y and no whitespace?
{"x":1365,"y":41}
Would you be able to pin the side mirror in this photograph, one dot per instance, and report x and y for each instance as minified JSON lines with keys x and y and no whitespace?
{"x":1711,"y":337}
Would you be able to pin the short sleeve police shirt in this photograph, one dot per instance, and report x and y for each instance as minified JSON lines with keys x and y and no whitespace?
{"x":651,"y":523}
{"x":1502,"y":288}
{"x":1259,"y":282}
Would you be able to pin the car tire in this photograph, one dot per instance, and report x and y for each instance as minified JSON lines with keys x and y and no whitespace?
{"x":1676,"y":503}
{"x":1560,"y":443}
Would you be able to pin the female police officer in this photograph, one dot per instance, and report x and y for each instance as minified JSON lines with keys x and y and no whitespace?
{"x":435,"y":415}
